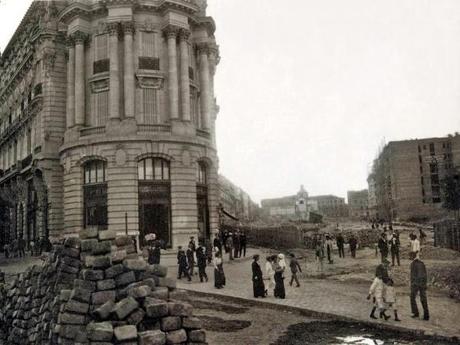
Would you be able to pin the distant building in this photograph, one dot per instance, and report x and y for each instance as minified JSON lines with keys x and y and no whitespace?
{"x":292,"y":207}
{"x":371,"y":197}
{"x":358,"y":204}
{"x":236,"y":201}
{"x":330,"y":205}
{"x":407,"y":176}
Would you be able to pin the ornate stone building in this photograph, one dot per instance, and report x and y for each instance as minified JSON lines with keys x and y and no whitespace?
{"x":107,"y":119}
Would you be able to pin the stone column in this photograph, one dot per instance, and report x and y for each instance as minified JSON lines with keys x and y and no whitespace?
{"x":184,"y":74}
{"x":114,"y":95}
{"x":129,"y":83}
{"x":80,"y":38}
{"x":204,"y":86}
{"x":173,"y":89}
{"x":70,"y":84}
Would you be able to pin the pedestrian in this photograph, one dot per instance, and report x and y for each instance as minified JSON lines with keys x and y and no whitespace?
{"x":389,"y":297}
{"x":319,"y":254}
{"x":201,"y":262}
{"x":279,"y":279}
{"x":257,"y":279}
{"x":376,"y":292}
{"x":21,"y":247}
{"x":229,"y":246}
{"x":418,"y":285}
{"x":414,"y":246}
{"x":382,"y":270}
{"x":341,"y":245}
{"x":190,"y":259}
{"x":182,"y":263}
{"x":243,"y":243}
{"x":192,"y":244}
{"x":236,"y":244}
{"x":217,"y":243}
{"x":422,"y":236}
{"x":208,"y":252}
{"x":353,"y":243}
{"x":6,"y":249}
{"x":219,"y":275}
{"x":294,"y":265}
{"x":383,"y":246}
{"x":329,"y":249}
{"x":282,"y":261}
{"x":270,"y":272}
{"x":394,"y":248}
{"x":156,"y":254}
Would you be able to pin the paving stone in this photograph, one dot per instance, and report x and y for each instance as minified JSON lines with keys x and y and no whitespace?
{"x":82,"y":295}
{"x":104,"y":311}
{"x":114,"y":271}
{"x":107,"y":235}
{"x":71,"y":261}
{"x":176,"y":337}
{"x":158,"y":270}
{"x":100,"y":331}
{"x":125,"y":307}
{"x":135,"y":264}
{"x":155,"y":337}
{"x":87,"y":245}
{"x":84,"y":284}
{"x":72,"y":242}
{"x":92,"y":275}
{"x":192,"y":323}
{"x":160,"y":293}
{"x":170,"y":283}
{"x":118,"y":256}
{"x":197,"y":336}
{"x":155,"y":308}
{"x":70,"y":331}
{"x":139,"y":291}
{"x":72,"y":252}
{"x":125,"y":279}
{"x":106,"y":284}
{"x":170,"y":323}
{"x":179,"y":309}
{"x":76,"y":307}
{"x":123,"y":241}
{"x":102,"y":262}
{"x":72,"y":319}
{"x":102,"y":297}
{"x":64,"y":296}
{"x":88,"y":233}
{"x":124,"y":333}
{"x":102,"y":247}
{"x":136,"y":317}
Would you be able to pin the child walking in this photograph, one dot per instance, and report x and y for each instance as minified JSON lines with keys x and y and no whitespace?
{"x":389,"y":297}
{"x":376,"y":291}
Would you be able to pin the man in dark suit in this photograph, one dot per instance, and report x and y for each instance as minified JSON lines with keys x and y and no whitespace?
{"x":418,"y":285}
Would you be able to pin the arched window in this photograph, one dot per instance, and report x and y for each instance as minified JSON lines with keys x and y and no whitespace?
{"x":201,"y":174}
{"x":153,"y":169}
{"x":95,"y":194}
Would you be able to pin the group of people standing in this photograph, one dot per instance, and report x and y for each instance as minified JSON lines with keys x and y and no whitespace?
{"x":198,"y":256}
{"x":17,"y":248}
{"x":324,"y":245}
{"x":389,"y":242}
{"x":233,"y":243}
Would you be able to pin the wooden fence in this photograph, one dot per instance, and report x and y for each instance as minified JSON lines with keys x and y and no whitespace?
{"x":447,"y":234}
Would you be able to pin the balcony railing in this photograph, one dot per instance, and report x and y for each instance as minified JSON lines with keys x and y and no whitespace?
{"x":84,"y":132}
{"x":154,"y":128}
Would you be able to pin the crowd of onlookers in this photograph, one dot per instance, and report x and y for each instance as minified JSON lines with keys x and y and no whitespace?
{"x":18,"y":248}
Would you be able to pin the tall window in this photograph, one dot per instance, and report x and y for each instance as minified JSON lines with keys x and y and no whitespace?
{"x":101,"y":54}
{"x":154,"y":169}
{"x":150,"y":106}
{"x":202,"y":201}
{"x":201,"y":174}
{"x":95,"y":194}
{"x":101,"y":107}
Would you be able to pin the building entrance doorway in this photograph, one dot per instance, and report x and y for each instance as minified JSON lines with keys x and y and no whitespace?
{"x":155,"y":211}
{"x":203,"y":214}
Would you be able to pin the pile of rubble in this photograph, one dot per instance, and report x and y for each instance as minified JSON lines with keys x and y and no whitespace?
{"x":96,"y":290}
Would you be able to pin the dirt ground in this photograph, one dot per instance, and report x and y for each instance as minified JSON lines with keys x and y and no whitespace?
{"x":242,"y":323}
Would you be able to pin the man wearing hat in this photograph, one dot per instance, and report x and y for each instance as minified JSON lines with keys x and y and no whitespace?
{"x":418,"y":285}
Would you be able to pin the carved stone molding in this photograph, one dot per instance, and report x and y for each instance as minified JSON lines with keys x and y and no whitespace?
{"x":128,"y":28}
{"x":100,"y":83}
{"x":113,"y":28}
{"x":184,"y":34}
{"x":171,"y":31}
{"x":150,"y":81}
{"x":80,"y":37}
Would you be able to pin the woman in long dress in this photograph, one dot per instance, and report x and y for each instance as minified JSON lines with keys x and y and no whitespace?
{"x":279,"y":279}
{"x":270,"y":272}
{"x":257,"y":279}
{"x":219,"y":276}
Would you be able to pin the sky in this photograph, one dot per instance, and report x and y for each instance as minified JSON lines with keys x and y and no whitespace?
{"x":310,"y":89}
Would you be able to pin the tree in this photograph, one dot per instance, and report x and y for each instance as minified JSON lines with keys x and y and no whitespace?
{"x":451,"y":192}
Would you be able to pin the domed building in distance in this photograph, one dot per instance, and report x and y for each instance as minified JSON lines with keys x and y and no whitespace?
{"x":120,"y":134}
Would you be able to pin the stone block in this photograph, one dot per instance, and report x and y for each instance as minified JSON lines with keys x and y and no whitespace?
{"x":70,"y":331}
{"x":139,"y":291}
{"x":198,"y":336}
{"x":85,"y":284}
{"x":118,"y":256}
{"x":87,"y":245}
{"x":80,"y":294}
{"x":121,"y":241}
{"x":191,"y":323}
{"x":160,"y":293}
{"x":93,"y":275}
{"x":135,"y":264}
{"x":136,"y":317}
{"x":125,"y":279}
{"x":102,"y":262}
{"x":102,"y":297}
{"x":150,"y":282}
{"x":64,"y":296}
{"x":106,"y":284}
{"x":114,"y":271}
{"x":170,"y":323}
{"x":102,"y":247}
{"x":179,"y":295}
{"x":72,"y":242}
{"x":170,"y":283}
{"x":156,"y":308}
{"x":104,"y":311}
{"x":72,"y":252}
{"x":100,"y":331}
{"x":159,"y":270}
{"x":156,"y":337}
{"x":71,"y":319}
{"x":76,"y":307}
{"x":125,"y":307}
{"x":124,"y":333}
{"x":176,"y":337}
{"x":71,"y":261}
{"x":179,"y":309}
{"x":107,"y":235}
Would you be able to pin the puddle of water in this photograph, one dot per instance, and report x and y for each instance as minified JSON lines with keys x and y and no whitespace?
{"x":359,"y":340}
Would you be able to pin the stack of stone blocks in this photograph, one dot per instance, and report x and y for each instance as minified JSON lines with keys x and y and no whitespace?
{"x":96,"y":290}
